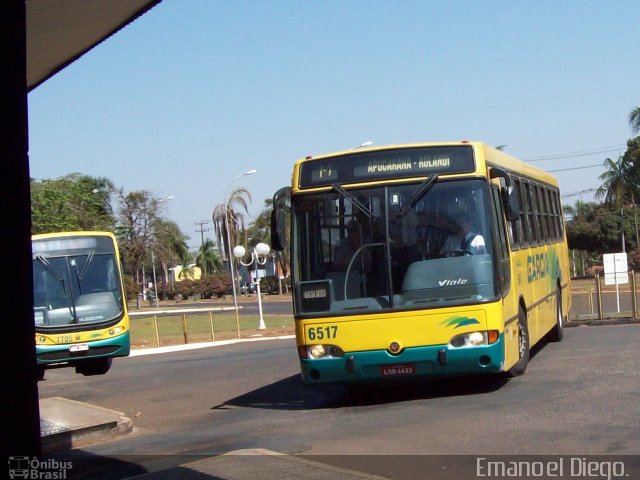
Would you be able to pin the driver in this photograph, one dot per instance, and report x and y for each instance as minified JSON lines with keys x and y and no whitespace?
{"x":348,"y":247}
{"x":465,"y":241}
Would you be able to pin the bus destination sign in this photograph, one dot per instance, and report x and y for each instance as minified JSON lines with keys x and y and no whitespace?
{"x":389,"y":164}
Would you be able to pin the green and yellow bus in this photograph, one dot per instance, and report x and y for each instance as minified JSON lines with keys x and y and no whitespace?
{"x":380,"y":290}
{"x":79,"y":303}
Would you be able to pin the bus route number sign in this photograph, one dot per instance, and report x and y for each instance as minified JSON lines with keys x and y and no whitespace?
{"x":398,"y":370}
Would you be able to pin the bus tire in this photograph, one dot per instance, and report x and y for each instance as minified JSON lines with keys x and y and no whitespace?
{"x":40,"y":372}
{"x":96,"y":366}
{"x":557,"y":332}
{"x":523,"y":346}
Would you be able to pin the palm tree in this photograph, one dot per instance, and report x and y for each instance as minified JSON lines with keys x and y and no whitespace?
{"x":618,"y":186}
{"x":615,"y":186}
{"x":227,"y":219}
{"x":634,"y":120}
{"x":208,"y":259}
{"x":170,"y":246}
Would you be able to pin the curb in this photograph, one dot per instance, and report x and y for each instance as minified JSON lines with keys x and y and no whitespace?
{"x":193,"y":346}
{"x":78,"y":424}
{"x":606,"y":321}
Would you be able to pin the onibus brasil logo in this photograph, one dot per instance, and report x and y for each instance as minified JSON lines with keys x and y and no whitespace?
{"x":36,"y":469}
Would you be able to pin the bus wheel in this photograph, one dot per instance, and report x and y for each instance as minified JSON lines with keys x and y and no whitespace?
{"x":97,"y":366}
{"x":557,"y":332}
{"x":40,"y":372}
{"x":523,"y":346}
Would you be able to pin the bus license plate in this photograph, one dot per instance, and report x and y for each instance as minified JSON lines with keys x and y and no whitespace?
{"x":80,"y":347}
{"x":398,"y":370}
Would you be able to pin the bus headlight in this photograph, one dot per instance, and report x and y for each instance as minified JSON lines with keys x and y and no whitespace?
{"x":474,"y":339}
{"x":477,"y":338}
{"x":324,"y":351}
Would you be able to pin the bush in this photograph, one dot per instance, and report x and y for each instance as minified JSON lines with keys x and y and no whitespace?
{"x":131,"y":289}
{"x":209,"y":286}
{"x":186,"y":288}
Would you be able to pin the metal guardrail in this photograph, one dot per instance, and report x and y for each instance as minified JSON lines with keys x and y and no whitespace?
{"x":596,"y":301}
{"x":184,"y":312}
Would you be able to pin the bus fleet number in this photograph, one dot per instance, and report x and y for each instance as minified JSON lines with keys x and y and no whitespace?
{"x":321,"y":333}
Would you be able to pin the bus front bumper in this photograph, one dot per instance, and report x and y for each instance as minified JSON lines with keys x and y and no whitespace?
{"x":379,"y":366}
{"x":112,"y":347}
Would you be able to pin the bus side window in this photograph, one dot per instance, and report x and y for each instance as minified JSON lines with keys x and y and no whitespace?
{"x":542,"y":214}
{"x":501,"y":248}
{"x":516,"y":225}
{"x":548,"y":210}
{"x":557,"y":214}
{"x":527,"y":214}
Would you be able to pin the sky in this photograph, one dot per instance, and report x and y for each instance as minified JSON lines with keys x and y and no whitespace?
{"x":196,"y":92}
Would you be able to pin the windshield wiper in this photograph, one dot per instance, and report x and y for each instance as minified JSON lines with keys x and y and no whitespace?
{"x":87,"y":262}
{"x":357,"y":203}
{"x":420,"y":192}
{"x":52,"y":271}
{"x":60,"y":277}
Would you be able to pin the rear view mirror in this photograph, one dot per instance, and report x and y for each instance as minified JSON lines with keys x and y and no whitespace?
{"x":509,"y":194}
{"x":281,"y":205}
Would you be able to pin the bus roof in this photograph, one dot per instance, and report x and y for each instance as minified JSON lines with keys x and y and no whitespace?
{"x":484,"y":154}
{"x":79,"y":233}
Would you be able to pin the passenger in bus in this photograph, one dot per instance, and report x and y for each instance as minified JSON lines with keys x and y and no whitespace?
{"x":347,"y":249}
{"x":465,"y":241}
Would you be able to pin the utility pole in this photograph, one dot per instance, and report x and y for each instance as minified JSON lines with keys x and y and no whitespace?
{"x":202,"y":230}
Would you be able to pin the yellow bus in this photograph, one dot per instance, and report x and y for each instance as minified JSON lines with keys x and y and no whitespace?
{"x":422,"y":260}
{"x":79,"y":303}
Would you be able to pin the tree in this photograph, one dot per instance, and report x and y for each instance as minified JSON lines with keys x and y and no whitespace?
{"x":208,"y":259}
{"x":634,"y":120}
{"x":615,"y":187}
{"x":260,"y":231}
{"x":71,"y":203}
{"x":170,"y":247}
{"x":228,"y":221}
{"x":229,"y":218}
{"x":138,"y":216}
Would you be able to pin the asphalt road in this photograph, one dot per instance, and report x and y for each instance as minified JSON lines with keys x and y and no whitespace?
{"x":579,"y":396}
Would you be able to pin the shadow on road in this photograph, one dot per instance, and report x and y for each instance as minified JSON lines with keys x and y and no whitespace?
{"x":291,"y":394}
{"x":83,"y":465}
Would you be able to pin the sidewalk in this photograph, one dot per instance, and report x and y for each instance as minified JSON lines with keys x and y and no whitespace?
{"x":252,"y":464}
{"x":67,"y":424}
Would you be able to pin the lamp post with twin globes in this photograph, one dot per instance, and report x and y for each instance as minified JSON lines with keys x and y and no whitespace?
{"x":258,"y":257}
{"x":229,"y":252}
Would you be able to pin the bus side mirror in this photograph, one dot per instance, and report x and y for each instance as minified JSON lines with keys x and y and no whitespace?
{"x":281,"y":205}
{"x":509,"y":194}
{"x":511,"y":201}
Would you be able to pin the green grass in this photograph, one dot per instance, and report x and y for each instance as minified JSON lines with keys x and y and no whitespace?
{"x":174,"y":330}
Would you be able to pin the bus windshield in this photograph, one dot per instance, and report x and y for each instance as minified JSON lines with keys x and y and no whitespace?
{"x":393,"y":247}
{"x":75,"y":288}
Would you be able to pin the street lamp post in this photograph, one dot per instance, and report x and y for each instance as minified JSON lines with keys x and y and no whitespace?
{"x":229,"y":253}
{"x":153,"y":261}
{"x":258,"y":257}
{"x":155,"y":283}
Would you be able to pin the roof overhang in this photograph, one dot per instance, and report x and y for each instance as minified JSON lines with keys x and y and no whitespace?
{"x":61,"y":31}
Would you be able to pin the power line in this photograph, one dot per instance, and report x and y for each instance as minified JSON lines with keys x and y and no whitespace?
{"x":578,"y":153}
{"x":574,"y":168}
{"x":575,"y":194}
{"x":202,"y":230}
